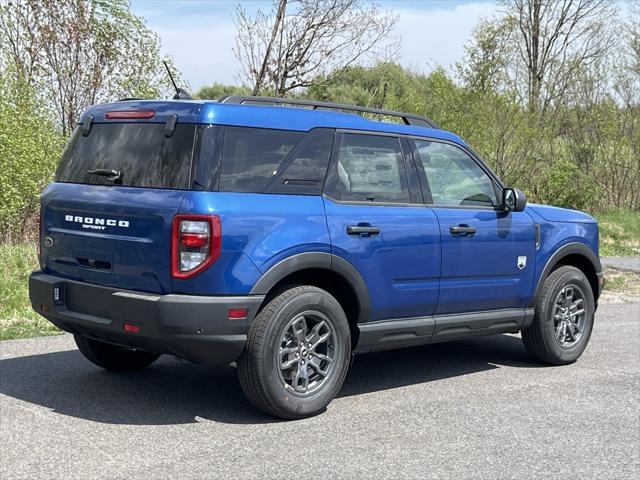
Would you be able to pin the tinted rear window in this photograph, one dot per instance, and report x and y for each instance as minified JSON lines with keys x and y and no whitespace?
{"x":140,"y":151}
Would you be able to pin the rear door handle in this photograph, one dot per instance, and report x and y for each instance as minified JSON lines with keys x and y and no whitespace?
{"x":462,"y":230}
{"x":364,"y":230}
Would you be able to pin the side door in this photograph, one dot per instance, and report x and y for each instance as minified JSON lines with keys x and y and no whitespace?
{"x":378,"y":222}
{"x":487,"y":253}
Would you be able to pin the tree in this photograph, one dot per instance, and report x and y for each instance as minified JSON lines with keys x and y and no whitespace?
{"x":80,"y":52}
{"x":300,"y":41}
{"x":555,"y":40}
{"x":29,"y":151}
{"x":537,"y":48}
{"x":219,"y":90}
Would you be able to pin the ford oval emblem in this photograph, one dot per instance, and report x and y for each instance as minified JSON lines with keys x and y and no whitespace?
{"x":48,"y":242}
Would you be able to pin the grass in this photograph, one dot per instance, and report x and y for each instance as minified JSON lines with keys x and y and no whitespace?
{"x":17,"y":319}
{"x":622,"y":283}
{"x":619,"y":233}
{"x":619,"y":236}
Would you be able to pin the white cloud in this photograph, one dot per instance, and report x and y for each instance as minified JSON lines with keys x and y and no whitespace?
{"x":200,"y":36}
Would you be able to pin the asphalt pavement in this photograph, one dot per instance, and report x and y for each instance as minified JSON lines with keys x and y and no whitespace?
{"x":470,"y":409}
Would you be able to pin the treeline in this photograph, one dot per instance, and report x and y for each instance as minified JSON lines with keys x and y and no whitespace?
{"x":584,"y":156}
{"x":548,"y":92}
{"x":57,"y":57}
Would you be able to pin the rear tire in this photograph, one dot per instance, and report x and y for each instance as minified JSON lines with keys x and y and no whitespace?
{"x":564,"y":317}
{"x":297,"y":354}
{"x":113,"y":357}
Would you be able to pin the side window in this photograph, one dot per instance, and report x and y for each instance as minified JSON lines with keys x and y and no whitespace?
{"x":251,"y":155}
{"x":369,"y":168}
{"x":304,"y":169}
{"x":453,"y":176}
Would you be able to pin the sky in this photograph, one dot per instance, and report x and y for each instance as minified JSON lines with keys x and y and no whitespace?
{"x":200,"y":34}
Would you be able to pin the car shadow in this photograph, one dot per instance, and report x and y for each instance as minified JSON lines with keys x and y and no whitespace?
{"x":176,"y":392}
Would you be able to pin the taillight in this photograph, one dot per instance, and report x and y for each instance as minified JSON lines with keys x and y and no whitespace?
{"x":196,"y":241}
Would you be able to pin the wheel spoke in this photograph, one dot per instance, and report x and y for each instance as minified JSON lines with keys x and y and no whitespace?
{"x":290,"y":362}
{"x":299,"y":328}
{"x":317,"y":367}
{"x":560,"y":332}
{"x":288,"y":350}
{"x":321,"y":339}
{"x":315,"y":331}
{"x":568,"y":296}
{"x":321,"y":357}
{"x":301,"y":378}
{"x":573,"y":330}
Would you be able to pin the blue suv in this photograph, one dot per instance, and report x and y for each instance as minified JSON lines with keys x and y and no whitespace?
{"x":287,"y":235}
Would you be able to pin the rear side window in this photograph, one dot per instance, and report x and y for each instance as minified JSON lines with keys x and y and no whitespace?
{"x":304,"y":169}
{"x":141,"y":152}
{"x":258,"y":160}
{"x":251,"y":155}
{"x":369,"y":168}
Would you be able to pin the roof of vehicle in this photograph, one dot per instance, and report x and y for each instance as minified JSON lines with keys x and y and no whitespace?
{"x":259,"y":116}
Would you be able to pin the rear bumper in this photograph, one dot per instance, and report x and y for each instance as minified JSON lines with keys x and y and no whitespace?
{"x":196,"y":328}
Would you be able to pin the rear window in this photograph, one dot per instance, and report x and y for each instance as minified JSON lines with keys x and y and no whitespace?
{"x":141,"y":152}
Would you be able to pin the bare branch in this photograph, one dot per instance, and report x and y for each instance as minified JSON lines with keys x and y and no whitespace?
{"x":317,"y":39}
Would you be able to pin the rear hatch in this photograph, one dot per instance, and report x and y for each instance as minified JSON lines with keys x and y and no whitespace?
{"x":107,"y":217}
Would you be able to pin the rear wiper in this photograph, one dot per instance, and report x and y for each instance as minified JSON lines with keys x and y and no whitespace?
{"x":114,"y":175}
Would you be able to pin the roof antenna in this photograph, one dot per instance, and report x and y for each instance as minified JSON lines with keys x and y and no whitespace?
{"x":180,"y":93}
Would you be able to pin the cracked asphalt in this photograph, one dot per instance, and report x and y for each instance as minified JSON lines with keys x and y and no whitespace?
{"x":470,"y":409}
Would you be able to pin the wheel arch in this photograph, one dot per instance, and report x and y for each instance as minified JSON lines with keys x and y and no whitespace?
{"x":323,"y":270}
{"x":576,"y":255}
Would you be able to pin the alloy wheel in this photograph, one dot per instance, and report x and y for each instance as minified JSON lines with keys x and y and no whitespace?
{"x":307,"y":353}
{"x":569,"y":316}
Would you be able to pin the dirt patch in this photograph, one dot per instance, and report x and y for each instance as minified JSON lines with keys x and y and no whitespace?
{"x":621,"y":286}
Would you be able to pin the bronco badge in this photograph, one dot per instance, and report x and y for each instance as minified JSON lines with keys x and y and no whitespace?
{"x":522,"y":262}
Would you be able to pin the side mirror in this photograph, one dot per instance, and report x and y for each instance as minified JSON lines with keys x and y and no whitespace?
{"x":513,"y":200}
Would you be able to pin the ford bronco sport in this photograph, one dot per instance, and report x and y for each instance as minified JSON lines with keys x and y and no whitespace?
{"x":287,"y":235}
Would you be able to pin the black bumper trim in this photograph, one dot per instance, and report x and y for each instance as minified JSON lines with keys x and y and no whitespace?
{"x":196,"y":328}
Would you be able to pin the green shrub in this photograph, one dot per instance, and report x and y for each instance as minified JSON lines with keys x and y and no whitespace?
{"x":29,"y":150}
{"x":17,"y":318}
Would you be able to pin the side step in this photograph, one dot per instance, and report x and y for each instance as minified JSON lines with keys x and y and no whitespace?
{"x":406,"y":332}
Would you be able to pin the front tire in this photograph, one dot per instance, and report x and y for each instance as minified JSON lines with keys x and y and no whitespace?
{"x":112,"y":357}
{"x":564,"y":317}
{"x":297,"y":354}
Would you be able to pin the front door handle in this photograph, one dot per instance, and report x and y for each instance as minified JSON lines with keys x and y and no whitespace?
{"x":362,"y":229}
{"x":462,"y":230}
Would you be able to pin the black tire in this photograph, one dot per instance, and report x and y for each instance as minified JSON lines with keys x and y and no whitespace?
{"x":113,"y":357}
{"x":259,"y":368}
{"x":541,"y":338}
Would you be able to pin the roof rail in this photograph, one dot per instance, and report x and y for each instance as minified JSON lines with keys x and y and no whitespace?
{"x":407,"y":118}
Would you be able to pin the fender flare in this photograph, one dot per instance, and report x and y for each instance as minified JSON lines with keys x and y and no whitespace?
{"x":568,"y":249}
{"x":323,"y":261}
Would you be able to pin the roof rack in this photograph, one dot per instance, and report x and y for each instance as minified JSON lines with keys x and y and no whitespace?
{"x":407,"y":118}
